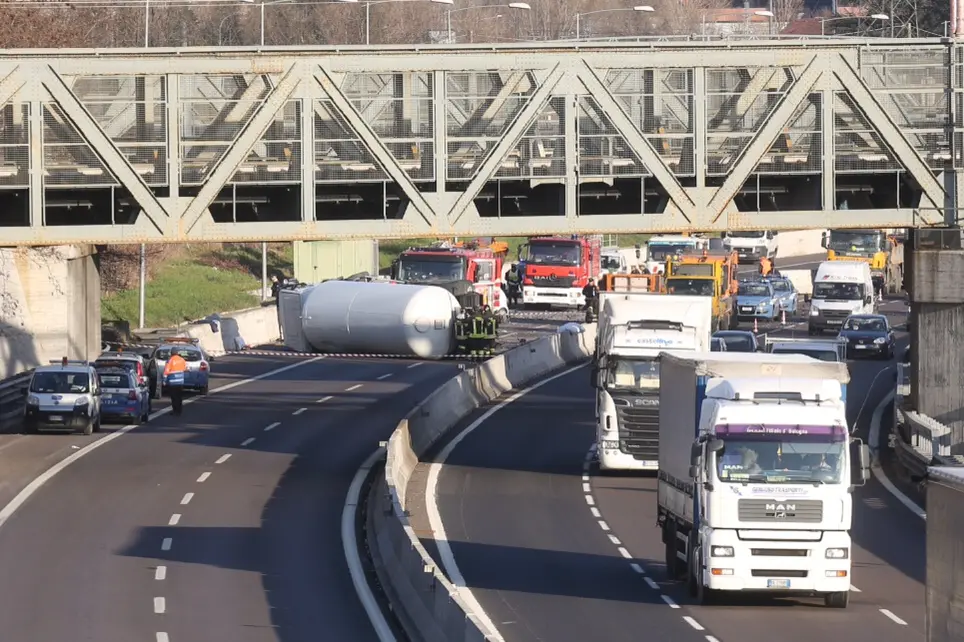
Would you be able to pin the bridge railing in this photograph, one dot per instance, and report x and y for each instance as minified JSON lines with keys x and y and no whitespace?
{"x":12,"y":399}
{"x":919,"y":441}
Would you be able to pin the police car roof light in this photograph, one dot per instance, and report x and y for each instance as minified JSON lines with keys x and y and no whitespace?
{"x":68,"y":362}
{"x":189,"y":340}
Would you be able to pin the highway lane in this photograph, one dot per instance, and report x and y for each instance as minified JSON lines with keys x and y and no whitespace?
{"x":222,"y":524}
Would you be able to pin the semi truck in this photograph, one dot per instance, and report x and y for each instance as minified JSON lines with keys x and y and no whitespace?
{"x":633,"y":328}
{"x":756,"y":473}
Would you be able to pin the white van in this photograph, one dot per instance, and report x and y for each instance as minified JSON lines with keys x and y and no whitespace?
{"x":752,"y":246}
{"x":840,"y":288}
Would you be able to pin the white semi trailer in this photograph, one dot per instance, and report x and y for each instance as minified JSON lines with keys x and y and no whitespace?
{"x":369,"y":318}
{"x":756,"y":473}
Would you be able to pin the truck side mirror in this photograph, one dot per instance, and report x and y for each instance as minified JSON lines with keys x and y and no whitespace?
{"x":823,"y":240}
{"x":696,"y":451}
{"x":859,"y":462}
{"x":715,"y":446}
{"x":868,"y":300}
{"x":694,"y":472}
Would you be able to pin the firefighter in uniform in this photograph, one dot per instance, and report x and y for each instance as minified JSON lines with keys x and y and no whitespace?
{"x":490,"y":328}
{"x":476,"y":333}
{"x":513,"y":284}
{"x":461,"y":333}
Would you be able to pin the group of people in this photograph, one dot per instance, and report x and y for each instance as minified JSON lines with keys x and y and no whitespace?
{"x":476,"y":332}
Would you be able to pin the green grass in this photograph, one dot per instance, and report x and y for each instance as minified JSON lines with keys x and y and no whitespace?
{"x":201,"y":281}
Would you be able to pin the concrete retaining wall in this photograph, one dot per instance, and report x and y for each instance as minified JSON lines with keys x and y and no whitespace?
{"x":428,"y":605}
{"x":232,"y":331}
{"x":800,"y":243}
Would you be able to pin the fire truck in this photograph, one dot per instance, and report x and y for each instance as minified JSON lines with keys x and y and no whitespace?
{"x":443,"y":263}
{"x":557,"y":268}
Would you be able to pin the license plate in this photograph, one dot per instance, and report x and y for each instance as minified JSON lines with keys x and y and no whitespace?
{"x":835,"y":322}
{"x":610,"y":445}
{"x":778,"y":584}
{"x":650,"y":464}
{"x":746,"y":309}
{"x":56,"y":418}
{"x":861,"y":347}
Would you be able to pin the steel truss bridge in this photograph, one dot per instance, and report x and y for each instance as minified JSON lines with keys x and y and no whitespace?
{"x":116,"y":146}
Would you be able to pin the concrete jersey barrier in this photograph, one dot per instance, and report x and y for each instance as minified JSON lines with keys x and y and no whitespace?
{"x":427,"y":603}
{"x":232,"y":331}
{"x":800,"y":243}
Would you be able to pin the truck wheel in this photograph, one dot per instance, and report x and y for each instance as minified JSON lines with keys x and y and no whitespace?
{"x":838,"y":600}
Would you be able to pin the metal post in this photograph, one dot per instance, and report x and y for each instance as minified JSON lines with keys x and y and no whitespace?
{"x":262,"y":23}
{"x":264,"y":272}
{"x":147,"y":23}
{"x":577,"y":26}
{"x":140,"y":322}
{"x":448,"y":21}
{"x":368,"y":22}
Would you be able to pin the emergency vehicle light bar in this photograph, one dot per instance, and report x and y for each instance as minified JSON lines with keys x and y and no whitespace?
{"x":68,"y":362}
{"x":189,"y":340}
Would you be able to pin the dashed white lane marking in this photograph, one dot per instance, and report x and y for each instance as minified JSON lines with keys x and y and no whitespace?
{"x":693,"y":623}
{"x":636,"y":567}
{"x":615,"y":540}
{"x":595,"y":512}
{"x":248,"y":441}
{"x":166,"y":543}
{"x":160,"y":573}
{"x":203,"y":478}
{"x":669,"y":602}
{"x":652,"y":583}
{"x":298,"y":412}
{"x":160,"y":605}
{"x":622,"y":551}
{"x":160,"y":636}
{"x":415,"y":365}
{"x":175,"y":518}
{"x":585,"y":478}
{"x":384,"y":376}
{"x":710,"y":638}
{"x":222,"y":459}
{"x":324,"y":399}
{"x":355,"y":387}
{"x":603,"y":525}
{"x":855,"y":589}
{"x":586,"y":488}
{"x":893,"y":617}
{"x":590,"y":500}
{"x":271,"y":427}
{"x":187,"y":499}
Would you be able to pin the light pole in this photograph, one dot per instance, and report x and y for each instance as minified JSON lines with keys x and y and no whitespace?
{"x":522,"y":6}
{"x":368,"y":11}
{"x":645,"y":8}
{"x":264,"y":4}
{"x":824,"y":21}
{"x":769,"y":16}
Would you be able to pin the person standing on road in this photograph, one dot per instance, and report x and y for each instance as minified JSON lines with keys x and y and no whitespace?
{"x":766,"y":266}
{"x":174,"y":371}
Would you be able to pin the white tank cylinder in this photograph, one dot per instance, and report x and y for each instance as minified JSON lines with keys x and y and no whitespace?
{"x":379,"y":318}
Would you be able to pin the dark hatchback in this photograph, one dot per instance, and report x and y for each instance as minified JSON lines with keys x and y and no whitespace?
{"x":868,"y":334}
{"x":738,"y":340}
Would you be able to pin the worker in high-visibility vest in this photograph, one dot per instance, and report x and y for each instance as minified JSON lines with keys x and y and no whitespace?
{"x":766,"y":266}
{"x":174,"y":371}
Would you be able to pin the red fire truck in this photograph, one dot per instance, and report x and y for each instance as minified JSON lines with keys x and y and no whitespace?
{"x":557,"y":268}
{"x":444,"y":263}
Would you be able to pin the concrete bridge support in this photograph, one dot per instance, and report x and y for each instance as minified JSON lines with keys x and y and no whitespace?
{"x":49,"y":306}
{"x":934,"y":276}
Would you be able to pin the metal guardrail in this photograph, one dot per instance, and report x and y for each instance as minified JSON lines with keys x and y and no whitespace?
{"x":920,"y":441}
{"x":12,"y":399}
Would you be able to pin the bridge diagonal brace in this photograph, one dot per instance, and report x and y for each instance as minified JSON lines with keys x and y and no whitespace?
{"x":889,"y":132}
{"x":375,"y":145}
{"x":775,"y":124}
{"x":10,"y":85}
{"x":104,"y":147}
{"x":241,"y":147}
{"x":638,"y":143}
{"x":509,"y":140}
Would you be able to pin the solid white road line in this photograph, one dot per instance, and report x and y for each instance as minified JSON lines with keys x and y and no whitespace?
{"x":355,"y":387}
{"x":14,"y":504}
{"x":160,"y":605}
{"x":203,"y":478}
{"x":160,"y":573}
{"x":166,"y":543}
{"x":873,"y":440}
{"x":435,"y":518}
{"x":175,"y":519}
{"x":223,"y":458}
{"x":349,"y":541}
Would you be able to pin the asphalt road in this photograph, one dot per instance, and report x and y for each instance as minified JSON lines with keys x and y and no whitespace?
{"x":220,"y":525}
{"x":554,"y":553}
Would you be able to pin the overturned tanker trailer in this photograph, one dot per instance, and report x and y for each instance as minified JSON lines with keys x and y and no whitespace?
{"x":369,"y":318}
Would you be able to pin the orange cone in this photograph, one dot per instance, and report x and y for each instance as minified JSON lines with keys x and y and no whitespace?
{"x":783,"y":317}
{"x":756,"y":328}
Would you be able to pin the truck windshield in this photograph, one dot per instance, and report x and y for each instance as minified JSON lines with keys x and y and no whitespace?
{"x":610,"y":263}
{"x":659,"y":251}
{"x":780,"y":454}
{"x":60,"y":383}
{"x":838,"y":291}
{"x":857,"y":242}
{"x":753,"y":289}
{"x":553,"y":253}
{"x":634,"y":374}
{"x":693,"y":269}
{"x":695,"y":287}
{"x":427,"y":268}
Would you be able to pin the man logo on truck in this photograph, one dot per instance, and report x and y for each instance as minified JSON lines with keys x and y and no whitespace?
{"x":781,"y":511}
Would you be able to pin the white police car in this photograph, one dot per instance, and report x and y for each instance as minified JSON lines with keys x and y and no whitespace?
{"x":64,"y":397}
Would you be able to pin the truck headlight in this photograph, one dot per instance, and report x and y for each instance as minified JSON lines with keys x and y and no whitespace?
{"x":721,"y":551}
{"x":814,"y":312}
{"x":33,"y":400}
{"x":838,"y":553}
{"x":880,"y":341}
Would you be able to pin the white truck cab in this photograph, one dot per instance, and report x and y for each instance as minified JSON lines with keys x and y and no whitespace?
{"x":659,"y":248}
{"x":840,"y":288}
{"x":751,"y":246}
{"x":613,"y":261}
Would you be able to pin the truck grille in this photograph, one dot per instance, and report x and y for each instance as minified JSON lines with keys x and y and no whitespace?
{"x":765,"y":510}
{"x":638,"y":418}
{"x":553,"y":282}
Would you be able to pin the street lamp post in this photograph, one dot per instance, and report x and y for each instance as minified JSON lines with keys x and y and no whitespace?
{"x":368,"y":12}
{"x":824,"y":21}
{"x":522,"y":6}
{"x":644,"y":8}
{"x":264,"y":4}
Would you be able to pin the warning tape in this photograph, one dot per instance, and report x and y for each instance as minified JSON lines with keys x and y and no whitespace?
{"x":291,"y":354}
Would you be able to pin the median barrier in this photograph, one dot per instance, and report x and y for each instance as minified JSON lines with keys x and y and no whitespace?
{"x":799,"y":243}
{"x":429,"y":607}
{"x":232,"y":331}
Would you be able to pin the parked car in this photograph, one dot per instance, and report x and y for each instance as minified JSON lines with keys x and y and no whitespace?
{"x":123,"y":396}
{"x":868,"y":334}
{"x":756,"y":300}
